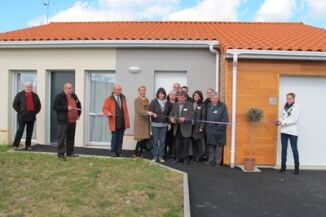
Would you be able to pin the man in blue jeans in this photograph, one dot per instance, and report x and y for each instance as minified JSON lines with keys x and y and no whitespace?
{"x":288,"y":123}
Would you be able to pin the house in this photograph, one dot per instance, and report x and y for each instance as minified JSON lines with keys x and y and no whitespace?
{"x":250,"y":64}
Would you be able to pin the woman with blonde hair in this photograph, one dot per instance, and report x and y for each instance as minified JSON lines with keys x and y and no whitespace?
{"x":142,"y":121}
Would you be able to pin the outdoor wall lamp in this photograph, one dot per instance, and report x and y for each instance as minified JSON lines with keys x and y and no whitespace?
{"x":134,"y":69}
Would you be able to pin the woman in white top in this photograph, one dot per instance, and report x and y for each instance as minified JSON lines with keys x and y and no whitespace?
{"x":288,"y":123}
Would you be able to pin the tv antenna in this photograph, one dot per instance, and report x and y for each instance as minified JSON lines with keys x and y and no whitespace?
{"x":46,"y":3}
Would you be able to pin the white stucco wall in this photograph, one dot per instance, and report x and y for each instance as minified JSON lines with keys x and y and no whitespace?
{"x":43,"y":61}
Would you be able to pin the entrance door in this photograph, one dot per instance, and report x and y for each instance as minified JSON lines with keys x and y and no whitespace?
{"x":58,"y":79}
{"x":310,"y":93}
{"x":166,"y":79}
{"x":100,"y":86}
{"x":20,"y":78}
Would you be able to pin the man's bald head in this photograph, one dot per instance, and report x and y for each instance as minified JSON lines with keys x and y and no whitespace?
{"x":176,"y":87}
{"x":117,"y":89}
{"x":28,"y":87}
{"x":68,"y":88}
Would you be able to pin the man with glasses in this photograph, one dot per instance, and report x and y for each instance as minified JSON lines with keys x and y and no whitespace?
{"x":27,"y":104}
{"x":68,"y":108}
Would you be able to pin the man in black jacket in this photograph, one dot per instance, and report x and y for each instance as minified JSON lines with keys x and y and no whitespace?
{"x":181,"y":116}
{"x":68,"y":108}
{"x":27,"y":104}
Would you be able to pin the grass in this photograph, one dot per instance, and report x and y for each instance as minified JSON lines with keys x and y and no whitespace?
{"x":39,"y":185}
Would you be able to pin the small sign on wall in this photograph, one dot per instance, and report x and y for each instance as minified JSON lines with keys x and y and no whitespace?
{"x":272,"y":100}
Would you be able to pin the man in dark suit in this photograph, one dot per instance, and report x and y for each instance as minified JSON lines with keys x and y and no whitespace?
{"x":27,"y":104}
{"x":186,"y":89}
{"x":181,"y":115}
{"x":68,"y":108}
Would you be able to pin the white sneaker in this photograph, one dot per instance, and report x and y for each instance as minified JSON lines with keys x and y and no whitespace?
{"x":154,"y":159}
{"x":162,"y":160}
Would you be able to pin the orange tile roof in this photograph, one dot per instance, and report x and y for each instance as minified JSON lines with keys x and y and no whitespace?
{"x":236,"y":35}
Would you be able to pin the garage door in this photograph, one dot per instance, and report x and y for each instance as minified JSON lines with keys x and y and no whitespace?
{"x":311,"y":92}
{"x":166,"y":79}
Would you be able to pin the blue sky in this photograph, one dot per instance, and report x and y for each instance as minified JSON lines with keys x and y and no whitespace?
{"x":16,"y":14}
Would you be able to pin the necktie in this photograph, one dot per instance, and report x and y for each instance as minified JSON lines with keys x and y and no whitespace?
{"x":119,"y":101}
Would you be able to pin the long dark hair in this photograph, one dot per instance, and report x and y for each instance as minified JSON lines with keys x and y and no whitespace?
{"x":160,"y":90}
{"x":200,"y":94}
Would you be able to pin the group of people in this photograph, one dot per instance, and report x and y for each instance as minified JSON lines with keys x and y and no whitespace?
{"x":68,"y":109}
{"x":173,"y":122}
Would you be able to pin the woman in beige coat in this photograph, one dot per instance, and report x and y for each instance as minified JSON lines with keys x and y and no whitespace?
{"x":142,"y":121}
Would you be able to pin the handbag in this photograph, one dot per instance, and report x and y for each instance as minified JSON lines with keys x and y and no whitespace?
{"x":149,"y":144}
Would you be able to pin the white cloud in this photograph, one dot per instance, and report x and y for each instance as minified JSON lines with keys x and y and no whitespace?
{"x":317,"y":8}
{"x":276,"y":10}
{"x":113,"y":10}
{"x":145,"y":10}
{"x":209,"y":10}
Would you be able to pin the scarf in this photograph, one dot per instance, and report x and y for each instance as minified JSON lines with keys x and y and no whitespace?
{"x":288,"y":106}
{"x":145,"y":101}
{"x":162,"y":103}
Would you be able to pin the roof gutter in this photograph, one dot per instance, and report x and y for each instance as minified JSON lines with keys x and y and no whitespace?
{"x":217,"y":65}
{"x":277,"y":55}
{"x":109,"y":44}
{"x":237,"y":54}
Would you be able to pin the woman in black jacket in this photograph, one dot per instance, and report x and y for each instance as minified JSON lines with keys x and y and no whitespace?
{"x":198,"y":126}
{"x":170,"y":149}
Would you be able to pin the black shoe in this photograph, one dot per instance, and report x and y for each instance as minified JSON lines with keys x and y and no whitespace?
{"x":194,"y":159}
{"x":62,"y":158}
{"x":296,"y":170}
{"x":283,"y":168}
{"x":178,"y":161}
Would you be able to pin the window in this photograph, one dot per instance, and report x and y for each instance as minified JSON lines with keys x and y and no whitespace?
{"x":100,"y":86}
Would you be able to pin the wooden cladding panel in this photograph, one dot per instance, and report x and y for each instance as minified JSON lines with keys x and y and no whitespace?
{"x":257,"y":82}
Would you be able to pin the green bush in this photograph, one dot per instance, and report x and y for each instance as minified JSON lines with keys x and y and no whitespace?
{"x":255,"y":114}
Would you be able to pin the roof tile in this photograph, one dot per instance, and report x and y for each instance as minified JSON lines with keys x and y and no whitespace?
{"x":241,"y":35}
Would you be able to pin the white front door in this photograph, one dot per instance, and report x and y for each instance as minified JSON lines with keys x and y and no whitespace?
{"x":20,"y":78}
{"x":100,"y":85}
{"x":310,"y":96}
{"x":166,"y":79}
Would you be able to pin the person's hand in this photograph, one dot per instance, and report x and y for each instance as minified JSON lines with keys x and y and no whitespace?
{"x":150,"y":113}
{"x":70,"y":108}
{"x":154,"y":115}
{"x":200,"y":130}
{"x":173,"y":120}
{"x":109,"y":114}
{"x":278,"y":123}
{"x":182,"y":119}
{"x":169,"y":127}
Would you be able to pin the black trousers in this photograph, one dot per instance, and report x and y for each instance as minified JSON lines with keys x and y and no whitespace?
{"x":140,"y":146}
{"x":182,"y":146}
{"x":170,"y":149}
{"x":197,"y":148}
{"x":20,"y":131}
{"x":66,"y":139}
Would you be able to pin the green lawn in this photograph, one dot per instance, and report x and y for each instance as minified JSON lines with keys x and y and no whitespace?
{"x":40,"y":185}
